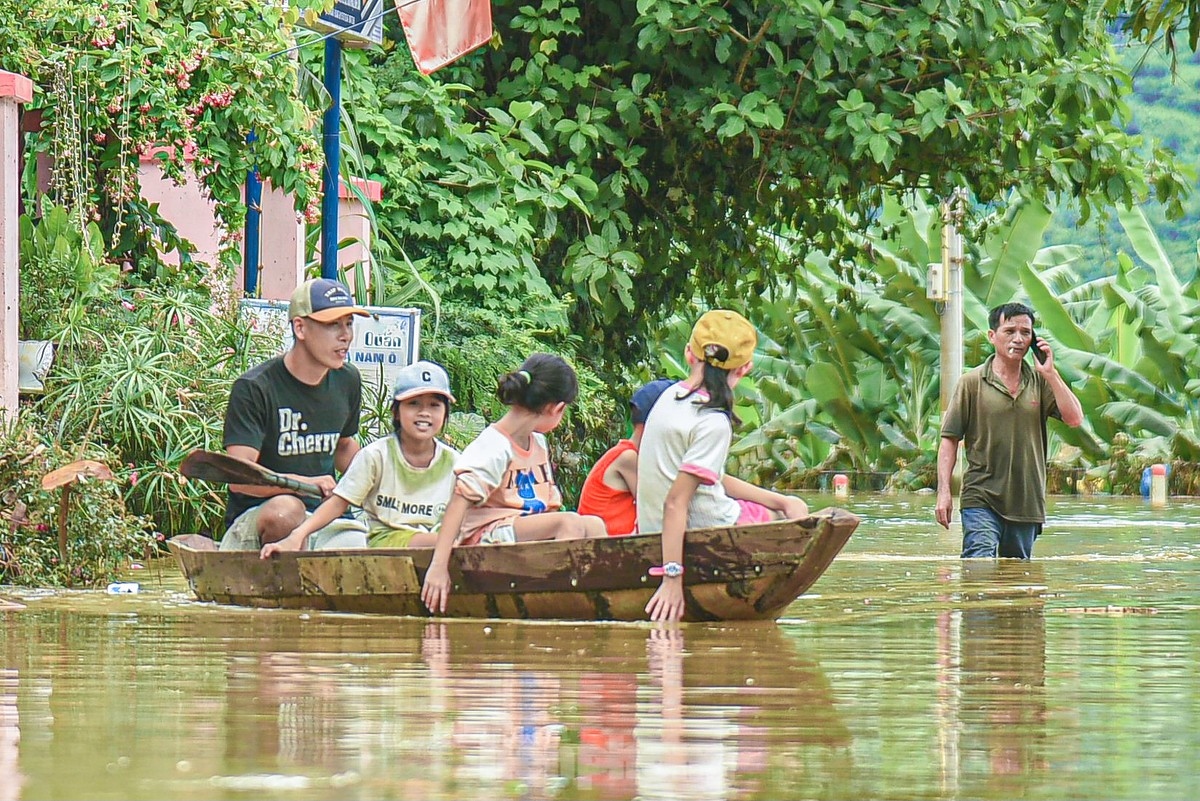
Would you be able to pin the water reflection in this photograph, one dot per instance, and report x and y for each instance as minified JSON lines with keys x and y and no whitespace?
{"x":376,"y":707}
{"x":279,"y":704}
{"x":11,"y":779}
{"x":906,"y":673}
{"x":992,"y":678}
{"x":691,"y":716}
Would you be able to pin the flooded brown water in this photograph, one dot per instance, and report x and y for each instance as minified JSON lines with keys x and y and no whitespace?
{"x":906,"y":673}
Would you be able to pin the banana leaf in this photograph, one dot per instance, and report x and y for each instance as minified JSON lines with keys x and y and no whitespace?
{"x":1136,"y":416}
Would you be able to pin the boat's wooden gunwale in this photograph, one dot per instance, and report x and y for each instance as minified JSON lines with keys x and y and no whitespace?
{"x":743,"y":573}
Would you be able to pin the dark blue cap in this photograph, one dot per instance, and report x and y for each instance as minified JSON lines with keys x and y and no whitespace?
{"x":644,"y":399}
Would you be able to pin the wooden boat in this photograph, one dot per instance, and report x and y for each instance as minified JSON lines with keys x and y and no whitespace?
{"x":733,"y":573}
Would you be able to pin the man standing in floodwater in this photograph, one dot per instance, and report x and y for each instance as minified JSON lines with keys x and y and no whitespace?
{"x":1000,"y":409}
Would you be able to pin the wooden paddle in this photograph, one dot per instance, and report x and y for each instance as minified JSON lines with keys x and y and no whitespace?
{"x":225,"y":469}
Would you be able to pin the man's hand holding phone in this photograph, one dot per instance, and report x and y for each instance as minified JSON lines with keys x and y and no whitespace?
{"x":1036,"y":349}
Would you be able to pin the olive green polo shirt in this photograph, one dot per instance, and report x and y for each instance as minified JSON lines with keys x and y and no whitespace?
{"x":1005,"y":441}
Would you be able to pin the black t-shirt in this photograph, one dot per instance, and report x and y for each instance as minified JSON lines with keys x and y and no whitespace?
{"x":294,"y":427}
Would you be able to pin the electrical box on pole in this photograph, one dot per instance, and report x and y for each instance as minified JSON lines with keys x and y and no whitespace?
{"x":935,"y":282}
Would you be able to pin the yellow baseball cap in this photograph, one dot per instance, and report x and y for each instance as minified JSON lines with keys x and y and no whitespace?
{"x":728,"y":330}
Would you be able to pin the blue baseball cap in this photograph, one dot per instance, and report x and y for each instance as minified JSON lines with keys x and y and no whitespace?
{"x":644,"y":399}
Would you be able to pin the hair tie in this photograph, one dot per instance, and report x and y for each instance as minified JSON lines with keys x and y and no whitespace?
{"x":525,"y":374}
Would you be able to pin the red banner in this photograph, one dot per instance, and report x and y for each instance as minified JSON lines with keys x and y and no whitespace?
{"x":441,"y":31}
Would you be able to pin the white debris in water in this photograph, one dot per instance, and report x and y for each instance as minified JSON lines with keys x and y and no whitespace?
{"x":269,"y":782}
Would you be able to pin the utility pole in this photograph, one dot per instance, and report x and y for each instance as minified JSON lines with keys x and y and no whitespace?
{"x":332,"y":139}
{"x":953,"y":212}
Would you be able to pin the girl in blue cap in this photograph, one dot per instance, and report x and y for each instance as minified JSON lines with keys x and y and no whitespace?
{"x":608,"y":491}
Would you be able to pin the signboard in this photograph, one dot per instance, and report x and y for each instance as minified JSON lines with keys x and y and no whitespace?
{"x":359,"y":23}
{"x":383,"y":343}
{"x":33,"y":363}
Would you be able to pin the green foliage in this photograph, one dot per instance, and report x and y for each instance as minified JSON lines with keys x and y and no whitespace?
{"x":1132,"y":346}
{"x":846,"y":373}
{"x":1163,"y":106}
{"x":151,"y":398}
{"x":62,"y":269}
{"x":465,"y":196}
{"x":184,"y":80}
{"x":634,"y":156}
{"x":700,"y":125}
{"x":1159,"y":21}
{"x":102,"y":535}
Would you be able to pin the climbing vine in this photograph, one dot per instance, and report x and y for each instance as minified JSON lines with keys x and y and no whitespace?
{"x":179,"y":82}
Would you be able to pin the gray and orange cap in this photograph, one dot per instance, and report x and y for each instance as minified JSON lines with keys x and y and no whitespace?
{"x":422,"y":378}
{"x":324,"y":300}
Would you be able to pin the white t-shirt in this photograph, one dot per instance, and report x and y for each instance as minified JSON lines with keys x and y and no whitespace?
{"x":681,"y":436}
{"x":503,"y":481}
{"x":394,"y":494}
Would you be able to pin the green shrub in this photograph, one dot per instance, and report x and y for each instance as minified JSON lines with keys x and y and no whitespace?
{"x":153,"y":388}
{"x":62,"y":270}
{"x":103,"y":536}
{"x":141,"y":373}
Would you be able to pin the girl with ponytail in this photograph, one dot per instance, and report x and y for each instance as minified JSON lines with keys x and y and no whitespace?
{"x":681,"y":462}
{"x":504,"y":489}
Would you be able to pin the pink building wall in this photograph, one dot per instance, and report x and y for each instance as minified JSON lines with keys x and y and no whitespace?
{"x":281,"y":250}
{"x":281,"y":247}
{"x":15,"y":90}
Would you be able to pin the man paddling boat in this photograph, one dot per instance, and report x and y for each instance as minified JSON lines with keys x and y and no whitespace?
{"x":298,"y":415}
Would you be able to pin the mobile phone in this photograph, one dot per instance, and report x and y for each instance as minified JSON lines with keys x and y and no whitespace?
{"x":1037,"y":352}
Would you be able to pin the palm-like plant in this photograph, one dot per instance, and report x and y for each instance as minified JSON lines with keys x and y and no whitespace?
{"x":1131,"y":346}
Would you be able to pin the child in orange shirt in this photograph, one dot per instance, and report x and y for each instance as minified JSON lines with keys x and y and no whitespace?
{"x":610,"y":485}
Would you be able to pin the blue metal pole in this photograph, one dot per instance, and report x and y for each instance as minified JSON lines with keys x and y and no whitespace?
{"x":332,"y":141}
{"x":252,"y":244}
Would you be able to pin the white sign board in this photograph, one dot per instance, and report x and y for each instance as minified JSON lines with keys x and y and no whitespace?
{"x":383,"y":343}
{"x":33,"y":363}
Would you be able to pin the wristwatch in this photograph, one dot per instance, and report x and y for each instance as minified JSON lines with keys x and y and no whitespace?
{"x":670,"y":570}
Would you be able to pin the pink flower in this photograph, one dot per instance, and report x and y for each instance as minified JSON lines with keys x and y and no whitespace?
{"x":127,"y":305}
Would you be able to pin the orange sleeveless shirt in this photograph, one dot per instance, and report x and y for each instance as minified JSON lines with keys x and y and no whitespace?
{"x":597,"y":498}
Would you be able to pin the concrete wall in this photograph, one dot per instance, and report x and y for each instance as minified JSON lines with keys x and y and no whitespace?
{"x":15,"y":90}
{"x":281,"y":248}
